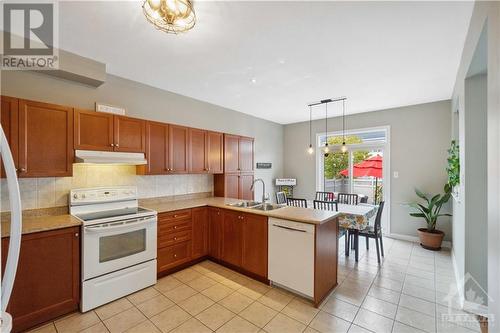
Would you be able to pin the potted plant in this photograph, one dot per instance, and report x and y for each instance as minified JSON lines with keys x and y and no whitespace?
{"x":430,"y":237}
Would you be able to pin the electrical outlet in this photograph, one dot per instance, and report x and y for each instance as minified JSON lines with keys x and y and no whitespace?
{"x":396,"y":174}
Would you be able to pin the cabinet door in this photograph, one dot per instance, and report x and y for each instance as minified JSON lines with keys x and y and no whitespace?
{"x":232,"y":233}
{"x":231,"y":148}
{"x":178,"y":141}
{"x":198,"y":162}
{"x":10,"y":122}
{"x":231,"y":185}
{"x":45,"y":140}
{"x":255,"y":244}
{"x":245,"y":183}
{"x":200,"y":231}
{"x":130,"y":134}
{"x":215,"y":152}
{"x":215,"y":224}
{"x":245,"y":154}
{"x":156,"y":149}
{"x":93,"y":130}
{"x":47,"y":283}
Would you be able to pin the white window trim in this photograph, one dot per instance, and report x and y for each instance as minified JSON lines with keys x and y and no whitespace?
{"x":386,"y":165}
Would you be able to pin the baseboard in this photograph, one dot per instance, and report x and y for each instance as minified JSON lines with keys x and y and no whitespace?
{"x":415,"y":239}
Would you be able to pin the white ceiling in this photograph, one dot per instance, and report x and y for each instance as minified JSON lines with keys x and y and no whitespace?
{"x":270,"y":59}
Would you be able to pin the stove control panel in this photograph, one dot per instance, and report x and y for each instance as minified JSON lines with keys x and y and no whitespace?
{"x":84,"y":196}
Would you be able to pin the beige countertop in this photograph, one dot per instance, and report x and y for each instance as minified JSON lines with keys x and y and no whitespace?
{"x":33,"y":224}
{"x":53,"y":219}
{"x":298,"y":214}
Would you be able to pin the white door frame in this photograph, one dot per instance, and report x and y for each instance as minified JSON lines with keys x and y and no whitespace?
{"x":386,"y":165}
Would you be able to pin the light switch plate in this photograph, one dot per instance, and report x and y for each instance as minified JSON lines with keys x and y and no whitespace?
{"x":396,"y":174}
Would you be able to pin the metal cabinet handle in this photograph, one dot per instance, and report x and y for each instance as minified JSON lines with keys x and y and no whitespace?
{"x":21,"y":170}
{"x":117,"y":145}
{"x":175,"y":227}
{"x":175,"y":215}
{"x":175,"y":255}
{"x":112,"y":144}
{"x":77,"y":234}
{"x":175,"y":238}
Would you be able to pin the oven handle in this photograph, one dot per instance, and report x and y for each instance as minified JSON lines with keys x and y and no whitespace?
{"x":122,"y":225}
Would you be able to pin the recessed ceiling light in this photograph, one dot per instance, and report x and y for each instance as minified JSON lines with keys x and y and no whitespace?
{"x":254,"y":80}
{"x":281,"y":61}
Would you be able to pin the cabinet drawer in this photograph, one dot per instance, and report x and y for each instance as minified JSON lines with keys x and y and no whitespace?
{"x":174,"y":226}
{"x":172,"y":238}
{"x":175,"y":215}
{"x":171,"y":256}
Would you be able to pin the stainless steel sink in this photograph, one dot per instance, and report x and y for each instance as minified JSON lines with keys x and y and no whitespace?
{"x":267,"y":206}
{"x":244,"y":204}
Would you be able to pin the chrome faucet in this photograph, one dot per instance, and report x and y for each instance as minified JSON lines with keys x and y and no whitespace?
{"x":263,"y":188}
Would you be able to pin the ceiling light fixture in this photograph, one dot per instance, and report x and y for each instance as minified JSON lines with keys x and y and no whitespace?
{"x":171,"y":16}
{"x":326,"y":148}
{"x":344,"y":147}
{"x":310,"y":150}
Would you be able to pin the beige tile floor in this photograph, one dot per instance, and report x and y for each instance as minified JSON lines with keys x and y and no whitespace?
{"x":407,"y":293}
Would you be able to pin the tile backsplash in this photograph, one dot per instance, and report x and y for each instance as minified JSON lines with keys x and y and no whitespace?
{"x":53,"y":191}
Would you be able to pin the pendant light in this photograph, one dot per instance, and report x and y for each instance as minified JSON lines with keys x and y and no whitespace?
{"x":344,"y":147}
{"x":310,"y":150}
{"x":326,"y":149}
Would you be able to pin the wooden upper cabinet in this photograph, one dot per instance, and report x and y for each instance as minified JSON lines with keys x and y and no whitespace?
{"x":245,"y":156}
{"x":215,"y":152}
{"x":254,"y":257}
{"x":45,"y":140}
{"x":9,"y":119}
{"x":156,"y":149}
{"x":198,"y":159}
{"x":93,"y":130}
{"x":244,"y":184}
{"x":129,"y":134}
{"x":231,"y":153}
{"x":178,"y":149}
{"x":232,"y":235}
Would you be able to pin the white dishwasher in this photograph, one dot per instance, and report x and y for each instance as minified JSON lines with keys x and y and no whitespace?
{"x":291,"y":255}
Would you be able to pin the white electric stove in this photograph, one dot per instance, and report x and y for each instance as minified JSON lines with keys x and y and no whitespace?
{"x":118,"y":243}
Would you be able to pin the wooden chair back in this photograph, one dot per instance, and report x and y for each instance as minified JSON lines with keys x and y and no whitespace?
{"x":347,"y":198}
{"x":326,"y":205}
{"x":325,"y":196}
{"x":296,"y":202}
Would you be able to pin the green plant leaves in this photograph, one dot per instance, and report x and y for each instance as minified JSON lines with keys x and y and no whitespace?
{"x":453,"y":168}
{"x":431,"y":211}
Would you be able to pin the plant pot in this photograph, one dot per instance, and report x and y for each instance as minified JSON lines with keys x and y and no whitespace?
{"x":430,"y":240}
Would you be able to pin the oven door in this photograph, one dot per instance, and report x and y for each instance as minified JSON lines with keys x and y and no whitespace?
{"x":109,"y":247}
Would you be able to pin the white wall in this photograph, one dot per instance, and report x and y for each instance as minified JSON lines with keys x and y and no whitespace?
{"x":420,"y":137}
{"x":155,"y":104}
{"x":486,"y":17}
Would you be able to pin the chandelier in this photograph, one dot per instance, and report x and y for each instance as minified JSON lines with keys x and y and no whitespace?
{"x":171,"y":16}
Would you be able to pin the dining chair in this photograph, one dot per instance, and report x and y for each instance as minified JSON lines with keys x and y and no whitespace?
{"x":296,"y":202}
{"x":333,"y":206}
{"x":325,"y":196}
{"x":375,"y":232}
{"x":280,"y":198}
{"x":363,"y":199}
{"x":347,"y":198}
{"x":326,"y":205}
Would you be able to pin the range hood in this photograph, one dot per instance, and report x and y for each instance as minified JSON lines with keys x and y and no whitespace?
{"x":109,"y":157}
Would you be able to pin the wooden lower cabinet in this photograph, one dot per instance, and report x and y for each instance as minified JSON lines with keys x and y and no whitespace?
{"x":232,"y":237}
{"x":47,"y":283}
{"x":215,"y":225}
{"x":200,"y":231}
{"x":254,"y":254}
{"x":174,"y":239}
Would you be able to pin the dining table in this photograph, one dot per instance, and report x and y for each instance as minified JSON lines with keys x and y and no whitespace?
{"x":353,"y":218}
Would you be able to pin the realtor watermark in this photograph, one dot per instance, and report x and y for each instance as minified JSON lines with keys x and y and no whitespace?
{"x":30,"y":35}
{"x":474,"y":305}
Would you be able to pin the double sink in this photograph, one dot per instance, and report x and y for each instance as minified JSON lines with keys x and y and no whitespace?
{"x":254,"y":205}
